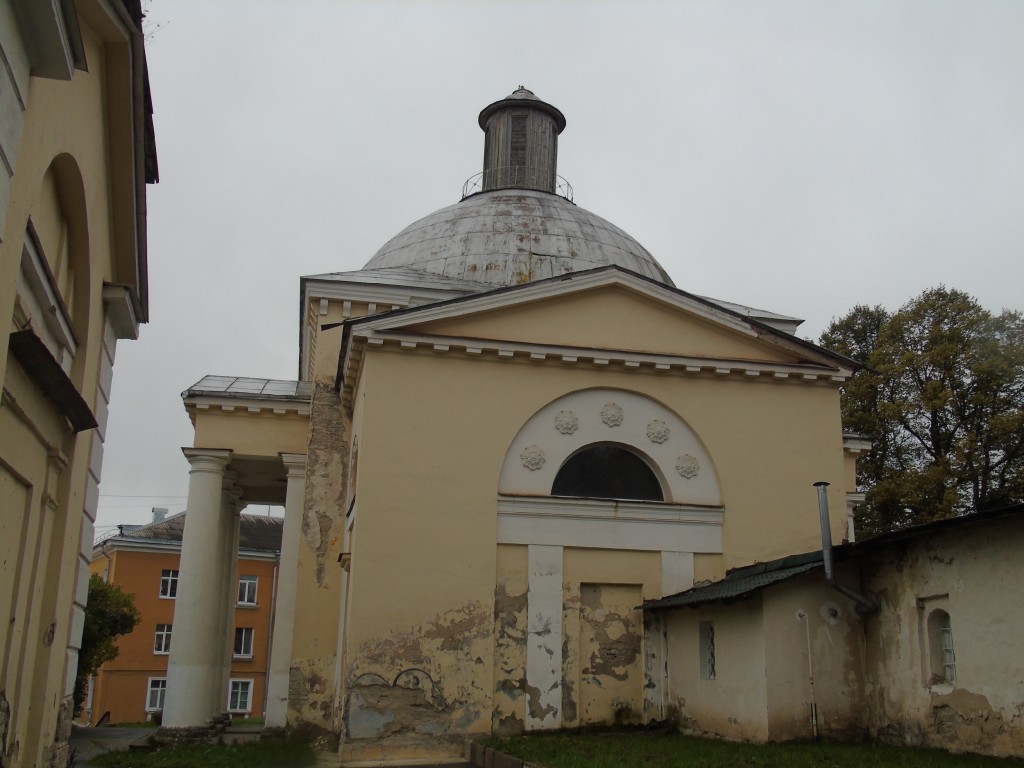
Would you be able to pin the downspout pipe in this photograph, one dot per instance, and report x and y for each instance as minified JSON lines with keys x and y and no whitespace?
{"x":864,"y":604}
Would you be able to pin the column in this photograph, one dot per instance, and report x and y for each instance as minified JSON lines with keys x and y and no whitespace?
{"x":287,"y":579}
{"x":196,"y":663}
{"x":231,"y":508}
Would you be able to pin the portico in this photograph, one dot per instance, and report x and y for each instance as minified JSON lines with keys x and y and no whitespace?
{"x":259,"y":429}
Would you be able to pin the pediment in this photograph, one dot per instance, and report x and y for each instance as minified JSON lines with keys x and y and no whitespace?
{"x":607,"y":309}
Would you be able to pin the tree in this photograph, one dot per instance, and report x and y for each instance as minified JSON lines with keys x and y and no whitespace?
{"x":943,"y":402}
{"x":110,"y":613}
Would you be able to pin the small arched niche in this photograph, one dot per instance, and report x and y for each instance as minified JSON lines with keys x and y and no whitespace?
{"x":607,"y":471}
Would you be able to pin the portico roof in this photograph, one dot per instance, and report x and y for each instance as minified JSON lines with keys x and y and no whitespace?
{"x":250,"y":388}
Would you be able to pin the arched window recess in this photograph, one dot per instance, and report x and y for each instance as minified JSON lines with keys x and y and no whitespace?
{"x":607,"y":471}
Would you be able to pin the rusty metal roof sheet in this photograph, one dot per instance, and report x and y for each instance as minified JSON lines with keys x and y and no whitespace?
{"x":255,"y":532}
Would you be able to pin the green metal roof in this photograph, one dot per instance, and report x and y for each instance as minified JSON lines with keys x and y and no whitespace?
{"x":740,"y":582}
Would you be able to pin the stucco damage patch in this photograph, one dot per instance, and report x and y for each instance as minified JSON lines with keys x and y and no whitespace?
{"x":326,"y":459}
{"x":611,"y":675}
{"x":429,"y":680}
{"x":510,"y":632}
{"x":964,"y":720}
{"x":616,"y":645}
{"x":311,"y":696}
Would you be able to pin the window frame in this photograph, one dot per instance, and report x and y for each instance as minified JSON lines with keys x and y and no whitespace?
{"x":243,"y":633}
{"x":249,"y":684}
{"x":162,"y":639}
{"x":168,"y":583}
{"x":38,"y":289}
{"x":248,"y":580}
{"x":161,"y":694}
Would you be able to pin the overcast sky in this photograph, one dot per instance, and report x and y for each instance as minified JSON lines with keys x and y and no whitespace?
{"x":801,"y":156}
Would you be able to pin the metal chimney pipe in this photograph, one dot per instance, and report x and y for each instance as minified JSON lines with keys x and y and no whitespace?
{"x":864,"y":604}
{"x":826,"y":531}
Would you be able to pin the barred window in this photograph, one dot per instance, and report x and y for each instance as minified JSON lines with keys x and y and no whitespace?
{"x":706,"y":642}
{"x":940,"y":642}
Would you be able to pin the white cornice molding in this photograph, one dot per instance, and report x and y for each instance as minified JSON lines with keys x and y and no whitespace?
{"x":384,"y":295}
{"x":608,"y":358}
{"x":609,"y":524}
{"x":247,"y":405}
{"x":609,"y":509}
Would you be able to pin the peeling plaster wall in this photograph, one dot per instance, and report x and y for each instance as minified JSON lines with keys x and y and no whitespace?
{"x":419,"y":645}
{"x":312,"y":691}
{"x":837,"y":658}
{"x":510,"y":633}
{"x":434,"y":630}
{"x":974,"y":574}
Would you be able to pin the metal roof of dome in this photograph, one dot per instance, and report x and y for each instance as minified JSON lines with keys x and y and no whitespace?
{"x":510,"y":236}
{"x":517,"y":229}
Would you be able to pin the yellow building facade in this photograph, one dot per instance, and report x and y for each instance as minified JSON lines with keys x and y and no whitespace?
{"x":510,"y":429}
{"x":76,"y":153}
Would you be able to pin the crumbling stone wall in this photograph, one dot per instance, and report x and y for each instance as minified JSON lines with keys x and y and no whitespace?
{"x":973,"y":574}
{"x":312,"y":691}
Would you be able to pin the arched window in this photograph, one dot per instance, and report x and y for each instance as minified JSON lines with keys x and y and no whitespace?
{"x":607,"y":472}
{"x":940,"y":647}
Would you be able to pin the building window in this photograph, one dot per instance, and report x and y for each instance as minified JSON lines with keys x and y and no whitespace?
{"x":940,"y":646}
{"x":168,"y":583}
{"x":240,"y":696}
{"x":247,"y":589}
{"x":162,"y":640}
{"x":607,"y":472}
{"x":155,"y":696}
{"x":42,"y":302}
{"x":706,"y":643}
{"x":243,"y":642}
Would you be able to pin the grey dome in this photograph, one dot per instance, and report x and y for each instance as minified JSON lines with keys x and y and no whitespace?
{"x":512,"y":236}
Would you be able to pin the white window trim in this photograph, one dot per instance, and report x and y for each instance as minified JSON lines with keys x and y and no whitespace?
{"x":252,"y":643}
{"x":149,"y":690}
{"x":157,"y":633}
{"x":256,"y":591}
{"x":160,"y":590}
{"x":249,"y":697}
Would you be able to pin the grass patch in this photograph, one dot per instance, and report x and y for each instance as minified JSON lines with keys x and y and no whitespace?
{"x":255,"y":754}
{"x":637,"y":749}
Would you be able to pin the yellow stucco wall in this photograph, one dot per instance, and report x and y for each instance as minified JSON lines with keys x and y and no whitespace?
{"x":595,"y":318}
{"x":251,"y":434}
{"x":64,"y":184}
{"x":431,"y":595}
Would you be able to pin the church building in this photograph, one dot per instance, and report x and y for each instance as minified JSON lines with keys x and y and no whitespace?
{"x":510,"y":430}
